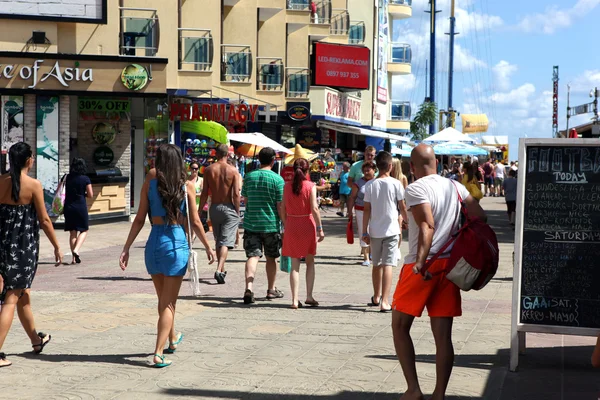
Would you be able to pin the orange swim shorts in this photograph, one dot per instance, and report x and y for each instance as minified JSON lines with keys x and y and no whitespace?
{"x":439,"y":295}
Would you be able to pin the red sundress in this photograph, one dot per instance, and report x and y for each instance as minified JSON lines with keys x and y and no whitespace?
{"x":300,"y":237}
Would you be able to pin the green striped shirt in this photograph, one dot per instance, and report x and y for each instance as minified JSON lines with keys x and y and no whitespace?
{"x":263,"y":189}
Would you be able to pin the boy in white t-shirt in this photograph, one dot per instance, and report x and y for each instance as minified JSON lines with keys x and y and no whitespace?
{"x":383,"y":216}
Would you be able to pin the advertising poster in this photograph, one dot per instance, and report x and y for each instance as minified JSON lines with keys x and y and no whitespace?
{"x":47,"y":147}
{"x":12,"y":125}
{"x":383,"y":51}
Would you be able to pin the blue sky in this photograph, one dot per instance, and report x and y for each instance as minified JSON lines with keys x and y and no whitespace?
{"x":503,"y":61}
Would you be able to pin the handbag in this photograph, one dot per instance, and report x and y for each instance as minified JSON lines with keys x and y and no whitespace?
{"x":58,"y":202}
{"x":285,"y":264}
{"x":194,"y":274}
{"x":350,"y":232}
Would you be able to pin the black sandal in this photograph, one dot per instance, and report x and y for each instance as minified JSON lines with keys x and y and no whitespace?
{"x":3,"y":358}
{"x":42,"y":344}
{"x":372,"y":303}
{"x":77,"y":259}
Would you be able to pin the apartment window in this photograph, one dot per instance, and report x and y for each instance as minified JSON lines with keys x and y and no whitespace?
{"x":195,"y":49}
{"x":400,"y":110}
{"x":402,"y":2}
{"x":298,"y":4}
{"x":297,"y":82}
{"x":401,"y":53}
{"x":236,"y":63}
{"x":139,"y":32}
{"x":356,"y":33}
{"x":270,"y":73}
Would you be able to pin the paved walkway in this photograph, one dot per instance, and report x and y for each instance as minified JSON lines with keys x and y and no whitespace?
{"x":103,"y":326}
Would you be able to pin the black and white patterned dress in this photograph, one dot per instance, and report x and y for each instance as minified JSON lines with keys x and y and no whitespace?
{"x":19,"y":246}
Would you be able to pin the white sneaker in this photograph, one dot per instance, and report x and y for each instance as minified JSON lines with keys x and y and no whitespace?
{"x":366,"y":263}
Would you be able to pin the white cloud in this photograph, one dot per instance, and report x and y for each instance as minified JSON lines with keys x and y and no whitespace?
{"x":502,"y":74}
{"x":403,"y":83}
{"x":586,"y":82}
{"x":555,"y":18}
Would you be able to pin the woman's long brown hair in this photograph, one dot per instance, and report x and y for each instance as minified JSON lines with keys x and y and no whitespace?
{"x":171,"y":179}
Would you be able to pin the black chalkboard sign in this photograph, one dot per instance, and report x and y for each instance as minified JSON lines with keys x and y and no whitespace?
{"x":560,"y":255}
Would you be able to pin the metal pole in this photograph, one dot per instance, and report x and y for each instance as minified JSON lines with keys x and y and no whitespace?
{"x":432,"y":11}
{"x":426,"y":77}
{"x":568,"y":108}
{"x":451,"y":62}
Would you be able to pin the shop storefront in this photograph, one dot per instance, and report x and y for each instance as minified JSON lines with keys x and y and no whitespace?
{"x":69,"y":106}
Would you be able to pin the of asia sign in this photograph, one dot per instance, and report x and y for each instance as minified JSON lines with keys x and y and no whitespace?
{"x":63,"y":75}
{"x":218,"y":112}
{"x":341,"y":106}
{"x":341,"y":66}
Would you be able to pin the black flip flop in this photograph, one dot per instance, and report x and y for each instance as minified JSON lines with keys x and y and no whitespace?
{"x":77,"y":259}
{"x":386,"y":311}
{"x":42,"y":344}
{"x":372,"y":303}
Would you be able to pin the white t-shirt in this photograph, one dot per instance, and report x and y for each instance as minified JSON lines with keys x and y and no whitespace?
{"x":441,"y":195}
{"x":384,"y":195}
{"x":500,"y":170}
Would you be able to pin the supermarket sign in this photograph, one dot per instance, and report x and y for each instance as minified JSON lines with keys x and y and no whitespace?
{"x":218,"y":112}
{"x":335,"y":106}
{"x":341,"y":66}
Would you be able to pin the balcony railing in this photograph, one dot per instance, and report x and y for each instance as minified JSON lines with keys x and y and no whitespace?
{"x":270,"y":73}
{"x":236,"y":63}
{"x":400,"y":53}
{"x":196,"y":49}
{"x":323,"y":15}
{"x":298,"y":5}
{"x":400,"y":110}
{"x":356,"y":33}
{"x":139,"y":32}
{"x":297,"y":82}
{"x":340,"y":22}
{"x":402,"y":2}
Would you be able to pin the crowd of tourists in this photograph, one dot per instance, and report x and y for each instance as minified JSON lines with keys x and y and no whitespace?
{"x":281,"y":219}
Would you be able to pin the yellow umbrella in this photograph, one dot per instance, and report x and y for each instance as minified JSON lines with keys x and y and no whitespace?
{"x":300,"y":152}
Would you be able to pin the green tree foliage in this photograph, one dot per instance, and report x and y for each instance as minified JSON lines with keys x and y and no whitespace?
{"x":427,"y":115}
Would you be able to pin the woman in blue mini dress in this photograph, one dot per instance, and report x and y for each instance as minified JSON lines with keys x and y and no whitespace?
{"x":167,"y":249}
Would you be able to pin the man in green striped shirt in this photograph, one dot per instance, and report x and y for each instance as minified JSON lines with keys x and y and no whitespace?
{"x":263,"y":195}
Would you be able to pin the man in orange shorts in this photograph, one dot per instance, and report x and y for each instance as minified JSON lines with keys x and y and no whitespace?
{"x":596,"y":354}
{"x":433,"y":216}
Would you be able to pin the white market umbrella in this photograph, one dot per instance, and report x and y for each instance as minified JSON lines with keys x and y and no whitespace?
{"x":458,"y":149}
{"x":258,"y":139}
{"x":448,"y":135}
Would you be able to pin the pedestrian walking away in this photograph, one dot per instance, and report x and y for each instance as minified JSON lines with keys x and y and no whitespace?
{"x":499,"y":170}
{"x":434,"y":216}
{"x":488,"y":178}
{"x":397,"y":173}
{"x":164,"y":194}
{"x":345,"y":190}
{"x":22,"y":214}
{"x":77,"y":187}
{"x":231,"y":161}
{"x":263,"y":196}
{"x":302,"y":222}
{"x":221,"y":179}
{"x":356,"y":203}
{"x":356,"y":171}
{"x":382,"y":222}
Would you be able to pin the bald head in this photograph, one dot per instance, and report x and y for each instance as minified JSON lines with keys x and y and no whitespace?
{"x":422,"y":159}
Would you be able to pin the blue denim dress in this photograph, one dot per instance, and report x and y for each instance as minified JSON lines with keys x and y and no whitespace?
{"x":167,"y":249}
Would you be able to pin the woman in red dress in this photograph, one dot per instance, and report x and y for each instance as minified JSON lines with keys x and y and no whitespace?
{"x":302,"y":223}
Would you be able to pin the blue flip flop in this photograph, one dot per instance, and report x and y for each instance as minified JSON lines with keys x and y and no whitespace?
{"x":169,"y":350}
{"x":161,"y":364}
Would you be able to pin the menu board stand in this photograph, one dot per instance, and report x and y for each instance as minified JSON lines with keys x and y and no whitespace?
{"x":556,"y":280}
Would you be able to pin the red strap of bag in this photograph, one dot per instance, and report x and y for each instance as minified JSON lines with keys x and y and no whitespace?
{"x":463,"y":211}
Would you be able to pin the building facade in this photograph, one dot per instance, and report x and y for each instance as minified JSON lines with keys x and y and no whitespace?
{"x":110,"y":80}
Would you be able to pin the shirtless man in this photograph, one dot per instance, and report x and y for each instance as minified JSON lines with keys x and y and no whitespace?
{"x":220,"y":179}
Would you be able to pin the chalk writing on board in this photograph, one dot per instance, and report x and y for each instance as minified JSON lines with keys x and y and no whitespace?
{"x":560,"y":258}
